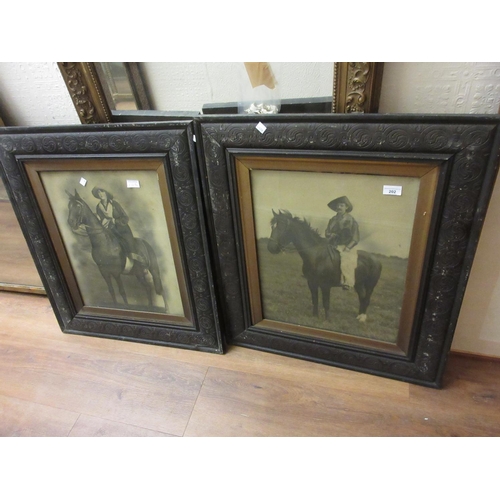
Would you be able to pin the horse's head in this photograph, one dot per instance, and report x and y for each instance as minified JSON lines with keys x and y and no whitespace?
{"x":77,"y":208}
{"x":280,"y":234}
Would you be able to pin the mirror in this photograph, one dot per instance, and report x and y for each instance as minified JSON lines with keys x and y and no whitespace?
{"x":17,"y":269}
{"x":123,"y":85}
{"x":111,"y":92}
{"x":202,"y":86}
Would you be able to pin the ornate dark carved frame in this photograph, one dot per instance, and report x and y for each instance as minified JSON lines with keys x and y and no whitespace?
{"x":467,"y":148}
{"x":172,"y":142}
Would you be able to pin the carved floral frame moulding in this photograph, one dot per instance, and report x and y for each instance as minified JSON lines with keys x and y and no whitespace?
{"x":467,"y":148}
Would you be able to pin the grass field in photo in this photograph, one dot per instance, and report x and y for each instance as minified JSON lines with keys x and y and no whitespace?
{"x":286,"y":297}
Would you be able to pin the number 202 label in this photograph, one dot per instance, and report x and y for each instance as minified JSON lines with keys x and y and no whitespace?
{"x":393,"y":190}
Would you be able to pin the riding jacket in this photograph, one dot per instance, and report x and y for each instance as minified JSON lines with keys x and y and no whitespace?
{"x":342,"y":230}
{"x":117,"y":222}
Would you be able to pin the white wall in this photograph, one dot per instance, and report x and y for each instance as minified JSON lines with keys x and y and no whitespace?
{"x":35,"y":94}
{"x":478,"y":328}
{"x":440,"y":88}
{"x":459,"y":88}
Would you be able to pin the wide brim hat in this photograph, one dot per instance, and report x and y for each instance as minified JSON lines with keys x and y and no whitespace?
{"x":342,"y":199}
{"x":96,"y":194}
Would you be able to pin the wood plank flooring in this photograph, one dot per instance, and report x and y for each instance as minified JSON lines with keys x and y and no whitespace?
{"x":55,"y":384}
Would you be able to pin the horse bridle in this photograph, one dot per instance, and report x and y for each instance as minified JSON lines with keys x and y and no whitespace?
{"x":90,"y":230}
{"x":275,"y":240}
{"x":281,"y":247}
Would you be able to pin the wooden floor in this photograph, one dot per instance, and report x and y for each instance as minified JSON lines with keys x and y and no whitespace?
{"x":55,"y":384}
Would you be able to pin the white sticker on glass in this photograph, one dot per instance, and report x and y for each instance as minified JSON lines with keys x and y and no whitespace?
{"x":393,"y":190}
{"x":133,"y":184}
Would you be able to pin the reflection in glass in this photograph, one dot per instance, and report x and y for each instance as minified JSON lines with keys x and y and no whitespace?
{"x":17,"y":269}
{"x":194,"y":86}
{"x":116,"y":85}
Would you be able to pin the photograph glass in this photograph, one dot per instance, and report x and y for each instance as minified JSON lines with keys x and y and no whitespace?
{"x":364,"y":229}
{"x":336,"y":246}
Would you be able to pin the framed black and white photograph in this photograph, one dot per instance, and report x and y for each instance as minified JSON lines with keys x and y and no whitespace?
{"x":113,"y":217}
{"x":347,"y":240}
{"x":332,"y":241}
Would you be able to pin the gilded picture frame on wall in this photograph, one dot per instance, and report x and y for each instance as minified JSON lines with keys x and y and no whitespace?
{"x":347,"y":240}
{"x":115,"y":225}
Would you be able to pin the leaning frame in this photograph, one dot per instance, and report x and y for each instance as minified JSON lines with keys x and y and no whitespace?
{"x":465,"y":149}
{"x":38,"y":165}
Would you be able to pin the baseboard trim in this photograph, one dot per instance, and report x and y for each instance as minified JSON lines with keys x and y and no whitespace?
{"x":12,"y":287}
{"x":474,"y":355}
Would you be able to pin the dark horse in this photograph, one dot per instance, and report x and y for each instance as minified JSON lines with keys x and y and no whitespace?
{"x":320,"y":268}
{"x":109,"y":255}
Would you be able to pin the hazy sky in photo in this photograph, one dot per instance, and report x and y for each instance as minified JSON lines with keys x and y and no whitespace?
{"x":385,"y":221}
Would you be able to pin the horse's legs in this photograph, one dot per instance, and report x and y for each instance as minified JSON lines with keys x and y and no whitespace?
{"x":121,"y":288}
{"x":158,"y":286}
{"x":325,"y":292}
{"x":314,"y":296}
{"x":164,"y":295}
{"x":154,"y":269}
{"x":149,"y":276}
{"x":146,"y":280}
{"x":367,"y":276}
{"x":364,"y":294}
{"x":107,"y":279}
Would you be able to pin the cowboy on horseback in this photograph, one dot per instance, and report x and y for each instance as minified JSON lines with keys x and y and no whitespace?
{"x":113,"y":217}
{"x":342,"y":234}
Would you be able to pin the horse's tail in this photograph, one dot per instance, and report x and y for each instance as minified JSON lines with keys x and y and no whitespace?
{"x":154,"y":268}
{"x":373,"y":267}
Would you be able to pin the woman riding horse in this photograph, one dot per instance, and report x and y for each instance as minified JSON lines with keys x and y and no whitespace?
{"x":321,"y":269}
{"x":113,"y":217}
{"x":108,"y":250}
{"x":342,"y":233}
